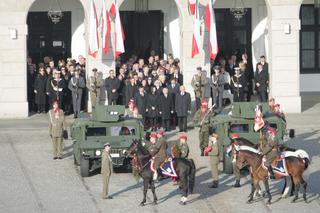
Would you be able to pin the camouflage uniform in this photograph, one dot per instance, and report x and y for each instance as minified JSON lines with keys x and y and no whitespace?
{"x":202,"y":121}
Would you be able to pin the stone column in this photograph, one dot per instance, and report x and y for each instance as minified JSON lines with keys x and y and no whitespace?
{"x":284,"y":68}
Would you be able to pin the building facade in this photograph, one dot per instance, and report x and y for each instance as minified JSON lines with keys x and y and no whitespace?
{"x":286,"y":31}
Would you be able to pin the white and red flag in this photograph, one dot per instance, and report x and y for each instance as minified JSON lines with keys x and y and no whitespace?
{"x":106,"y":28}
{"x":119,"y":33}
{"x":258,"y":119}
{"x":192,"y":6}
{"x":196,"y":32}
{"x":93,"y":33}
{"x":210,"y":22}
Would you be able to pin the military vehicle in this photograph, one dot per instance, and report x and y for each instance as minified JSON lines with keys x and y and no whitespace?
{"x":239,"y":118}
{"x":107,"y":124}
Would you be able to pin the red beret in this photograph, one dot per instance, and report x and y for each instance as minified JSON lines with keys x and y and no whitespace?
{"x":183,"y":137}
{"x":276,"y":105}
{"x":203,"y":107}
{"x":235,"y":135}
{"x":204,"y":102}
{"x":152,"y":135}
{"x":271,"y":99}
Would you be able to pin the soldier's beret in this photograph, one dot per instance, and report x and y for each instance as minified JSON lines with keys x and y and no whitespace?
{"x":203,"y":107}
{"x":199,"y":68}
{"x":106,"y":144}
{"x":235,"y":136}
{"x":94,"y":70}
{"x":152,"y":135}
{"x":183,"y":137}
{"x":204,"y":102}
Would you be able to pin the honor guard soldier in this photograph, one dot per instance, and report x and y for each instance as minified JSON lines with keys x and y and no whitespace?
{"x":213,"y":151}
{"x":199,"y":82}
{"x":217,"y":86}
{"x":183,"y":147}
{"x":106,"y":170}
{"x":94,"y":83}
{"x":57,"y":129}
{"x":158,"y":150}
{"x":76,"y":85}
{"x":55,"y":88}
{"x":238,"y":84}
{"x":200,"y":119}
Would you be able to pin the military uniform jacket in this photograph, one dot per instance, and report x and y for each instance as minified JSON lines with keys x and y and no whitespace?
{"x":199,"y":84}
{"x":141,"y":102}
{"x":238,"y":83}
{"x":166,"y":105}
{"x":94,"y":83}
{"x":56,"y":86}
{"x":182,"y":104}
{"x":215,"y":148}
{"x":159,"y":151}
{"x":56,"y":124}
{"x":111,"y":84}
{"x":184,"y":150}
{"x":201,"y":120}
{"x":106,"y":164}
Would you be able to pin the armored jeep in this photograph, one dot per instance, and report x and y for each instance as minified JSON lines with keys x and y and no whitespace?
{"x":107,"y":124}
{"x":239,"y":118}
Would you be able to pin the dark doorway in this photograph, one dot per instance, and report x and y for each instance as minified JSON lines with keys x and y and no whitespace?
{"x":48,"y":39}
{"x":143,"y":33}
{"x":234,"y":36}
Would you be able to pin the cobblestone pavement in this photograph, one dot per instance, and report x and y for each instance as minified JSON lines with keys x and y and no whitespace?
{"x":31,"y":181}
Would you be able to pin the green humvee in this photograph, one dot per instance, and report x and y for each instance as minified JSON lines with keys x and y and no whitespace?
{"x":107,"y":124}
{"x":239,"y":118}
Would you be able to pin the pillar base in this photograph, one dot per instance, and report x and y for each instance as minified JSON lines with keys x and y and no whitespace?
{"x":289,"y":104}
{"x":14,"y":110}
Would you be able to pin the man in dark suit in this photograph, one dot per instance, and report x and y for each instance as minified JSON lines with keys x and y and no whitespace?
{"x":261,"y":80}
{"x":140,"y":100}
{"x":130,"y":90}
{"x":182,"y":107}
{"x":166,"y":107}
{"x":264,"y":63}
{"x":112,"y":85}
{"x":173,"y":89}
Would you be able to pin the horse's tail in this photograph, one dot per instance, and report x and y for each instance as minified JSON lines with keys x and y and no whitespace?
{"x":192,"y":175}
{"x":306,"y":163}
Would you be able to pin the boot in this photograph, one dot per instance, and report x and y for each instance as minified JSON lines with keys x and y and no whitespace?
{"x":215,"y":184}
{"x":271,"y":174}
{"x":202,"y":152}
{"x":237,"y":184}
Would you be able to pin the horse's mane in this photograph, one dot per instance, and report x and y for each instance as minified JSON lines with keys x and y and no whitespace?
{"x":143,"y":149}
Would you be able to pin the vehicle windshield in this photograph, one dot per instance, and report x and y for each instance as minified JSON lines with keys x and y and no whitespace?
{"x":96,"y":132}
{"x":239,"y":128}
{"x":122,"y":130}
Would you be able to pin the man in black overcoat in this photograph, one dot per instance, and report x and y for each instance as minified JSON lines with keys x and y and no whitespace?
{"x":140,"y":100}
{"x":130,"y":90}
{"x":166,"y":108}
{"x":182,"y":108}
{"x":112,"y":85}
{"x":261,"y":80}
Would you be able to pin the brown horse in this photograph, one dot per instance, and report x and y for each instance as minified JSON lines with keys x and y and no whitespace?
{"x":246,"y":155}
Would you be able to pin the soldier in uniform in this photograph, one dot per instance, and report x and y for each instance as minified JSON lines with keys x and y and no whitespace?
{"x":213,"y":152}
{"x":76,"y":85}
{"x":94,"y":83}
{"x":55,"y":88}
{"x":199,"y":82}
{"x":158,"y":153}
{"x":129,"y":110}
{"x":238,"y":84}
{"x":106,"y":171}
{"x":217,"y":86}
{"x":57,"y":126}
{"x":200,"y":119}
{"x":183,"y":146}
{"x":236,"y":170}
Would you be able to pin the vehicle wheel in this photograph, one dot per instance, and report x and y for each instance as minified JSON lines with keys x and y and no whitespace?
{"x":227,"y":164}
{"x":84,"y":167}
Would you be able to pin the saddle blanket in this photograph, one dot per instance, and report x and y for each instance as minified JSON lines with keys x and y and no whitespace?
{"x":279,"y":167}
{"x":166,"y":167}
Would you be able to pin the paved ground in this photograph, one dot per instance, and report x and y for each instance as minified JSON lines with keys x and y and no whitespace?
{"x":31,"y":181}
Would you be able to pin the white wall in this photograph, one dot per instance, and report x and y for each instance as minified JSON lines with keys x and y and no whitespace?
{"x":77,"y":22}
{"x":171,"y":22}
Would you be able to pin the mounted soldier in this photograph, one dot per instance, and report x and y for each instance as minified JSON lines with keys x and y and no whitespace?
{"x":158,"y":151}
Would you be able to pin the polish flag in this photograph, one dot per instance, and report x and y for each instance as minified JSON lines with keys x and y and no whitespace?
{"x":196,"y":32}
{"x":210,"y":23}
{"x":93,"y":33}
{"x":258,"y":119}
{"x":106,"y":28}
{"x":119,"y":33}
{"x":192,"y":6}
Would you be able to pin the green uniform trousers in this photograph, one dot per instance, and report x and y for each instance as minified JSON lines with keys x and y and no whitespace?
{"x":203,"y":139}
{"x":105,"y":186}
{"x":236,"y":171}
{"x":214,"y":162}
{"x":57,"y":146}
